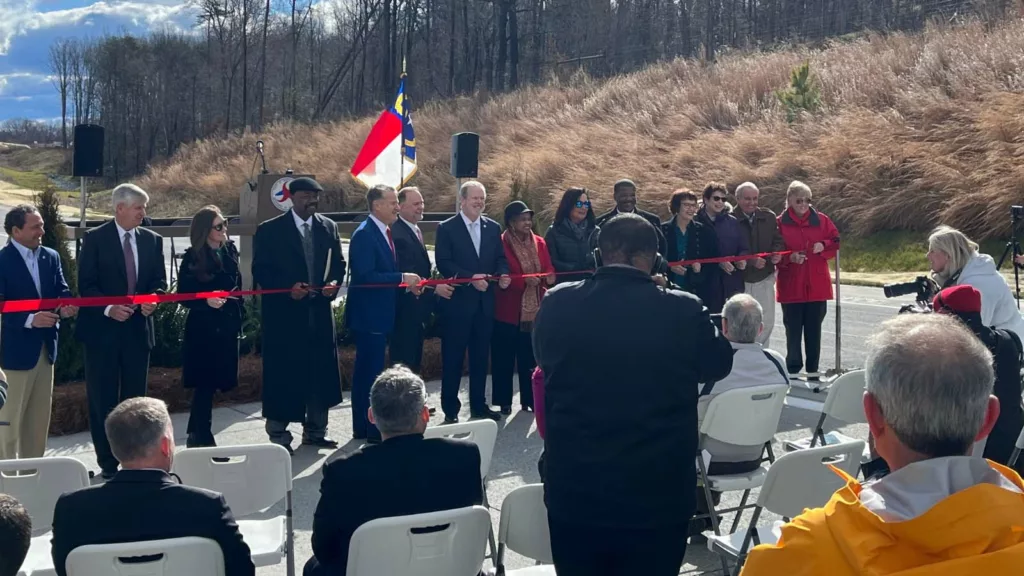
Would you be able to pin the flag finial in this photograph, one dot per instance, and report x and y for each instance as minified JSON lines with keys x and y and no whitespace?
{"x":403,"y":66}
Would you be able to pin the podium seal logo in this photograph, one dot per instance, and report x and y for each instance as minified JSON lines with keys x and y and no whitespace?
{"x":280,"y":195}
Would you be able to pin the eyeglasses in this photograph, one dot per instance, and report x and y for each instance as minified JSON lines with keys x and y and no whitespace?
{"x":801,"y":200}
{"x":581,"y":204}
{"x":718,"y":198}
{"x":689,"y":206}
{"x":221,"y":227}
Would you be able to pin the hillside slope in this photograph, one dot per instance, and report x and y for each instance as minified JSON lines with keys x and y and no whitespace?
{"x":915,"y":130}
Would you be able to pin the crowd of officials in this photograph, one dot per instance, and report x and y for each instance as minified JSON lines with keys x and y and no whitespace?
{"x":619,"y":488}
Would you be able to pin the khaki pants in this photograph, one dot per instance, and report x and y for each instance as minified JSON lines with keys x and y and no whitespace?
{"x":764,"y":293}
{"x":25,"y":418}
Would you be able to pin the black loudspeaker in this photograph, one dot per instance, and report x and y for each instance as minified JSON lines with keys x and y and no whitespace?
{"x":87,"y":160}
{"x":465,"y":148}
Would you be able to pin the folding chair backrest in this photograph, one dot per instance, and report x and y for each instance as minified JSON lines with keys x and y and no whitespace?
{"x":39,"y":492}
{"x":483,"y":433}
{"x":845,"y":400}
{"x":745,"y":416}
{"x":189,"y":556}
{"x":800,"y":480}
{"x":255,"y":477}
{"x":523,"y":527}
{"x":447,"y":543}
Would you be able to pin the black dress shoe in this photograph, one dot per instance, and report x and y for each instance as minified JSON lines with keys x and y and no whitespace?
{"x":527,"y":408}
{"x":451,"y":419}
{"x":485,"y":412}
{"x":324,"y":442}
{"x":506,"y":410}
{"x":432,"y":410}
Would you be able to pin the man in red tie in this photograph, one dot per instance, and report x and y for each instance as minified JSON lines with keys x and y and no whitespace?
{"x":370,"y":307}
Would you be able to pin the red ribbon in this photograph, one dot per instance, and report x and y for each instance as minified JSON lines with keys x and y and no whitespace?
{"x":36,"y":305}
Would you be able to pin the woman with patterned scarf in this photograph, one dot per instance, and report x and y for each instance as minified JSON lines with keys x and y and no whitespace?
{"x":516,"y":307}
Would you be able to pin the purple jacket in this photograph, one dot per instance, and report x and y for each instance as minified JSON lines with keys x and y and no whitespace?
{"x":732,"y":241}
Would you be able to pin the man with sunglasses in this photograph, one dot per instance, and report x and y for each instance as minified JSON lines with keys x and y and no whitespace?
{"x":727,"y":280}
{"x":624,"y":193}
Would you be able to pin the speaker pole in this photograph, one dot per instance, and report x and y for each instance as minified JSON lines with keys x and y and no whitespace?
{"x":81,"y":213}
{"x":458,"y":190}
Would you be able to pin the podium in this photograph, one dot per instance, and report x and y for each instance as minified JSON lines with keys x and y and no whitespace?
{"x":268,"y":200}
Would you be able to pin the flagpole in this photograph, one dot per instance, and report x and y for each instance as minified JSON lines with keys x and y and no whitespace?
{"x":401,"y":148}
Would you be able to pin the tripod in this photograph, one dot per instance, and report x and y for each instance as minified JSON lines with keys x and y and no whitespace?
{"x":1013,"y":247}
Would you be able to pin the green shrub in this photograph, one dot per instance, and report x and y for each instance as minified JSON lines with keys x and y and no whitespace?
{"x":70,"y":355}
{"x":803,"y":94}
{"x":169,"y":324}
{"x":252,"y":330}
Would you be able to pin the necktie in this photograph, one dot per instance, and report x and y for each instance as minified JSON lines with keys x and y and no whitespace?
{"x":129,"y":262}
{"x":307,"y":249}
{"x":391,"y":243}
{"x":419,"y":235}
{"x":476,"y":236}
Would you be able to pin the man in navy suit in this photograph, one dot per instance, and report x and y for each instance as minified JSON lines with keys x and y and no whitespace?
{"x":371,"y":309}
{"x":28,"y":341}
{"x":469,"y":246}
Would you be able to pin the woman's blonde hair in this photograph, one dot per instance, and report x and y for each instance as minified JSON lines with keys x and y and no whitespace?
{"x":798,"y":188}
{"x":956,"y":246}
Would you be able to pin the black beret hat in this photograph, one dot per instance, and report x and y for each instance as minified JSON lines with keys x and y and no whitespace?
{"x":514,"y":209}
{"x":304,"y":184}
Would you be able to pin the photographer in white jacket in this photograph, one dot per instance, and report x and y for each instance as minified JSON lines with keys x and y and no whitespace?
{"x":955,"y":261}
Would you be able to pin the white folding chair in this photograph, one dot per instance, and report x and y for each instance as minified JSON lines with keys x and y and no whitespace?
{"x":844,"y":402}
{"x":1012,"y":462}
{"x":483,"y":433}
{"x":252,"y":479}
{"x":741,"y":417}
{"x":38,"y":493}
{"x":446,"y":543}
{"x":796,"y":481}
{"x":189,"y":556}
{"x":523,"y":528}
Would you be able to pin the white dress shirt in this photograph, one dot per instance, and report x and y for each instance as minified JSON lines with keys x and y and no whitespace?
{"x":382,"y":226}
{"x":31,"y":258}
{"x":133,"y":238}
{"x":416,"y":229}
{"x":474,"y":230}
{"x":299,"y":222}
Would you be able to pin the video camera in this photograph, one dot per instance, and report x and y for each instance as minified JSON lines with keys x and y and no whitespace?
{"x":923,"y":288}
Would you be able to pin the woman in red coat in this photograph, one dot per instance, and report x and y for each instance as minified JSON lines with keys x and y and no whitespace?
{"x":804,"y":285}
{"x":516,"y":307}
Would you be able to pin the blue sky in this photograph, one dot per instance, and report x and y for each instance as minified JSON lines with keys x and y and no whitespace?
{"x":28,"y":27}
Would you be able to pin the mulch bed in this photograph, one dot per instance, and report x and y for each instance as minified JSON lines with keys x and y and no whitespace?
{"x":71,"y":409}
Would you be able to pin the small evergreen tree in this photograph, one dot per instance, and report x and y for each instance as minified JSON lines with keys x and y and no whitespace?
{"x":803,"y":94}
{"x":70,"y":356}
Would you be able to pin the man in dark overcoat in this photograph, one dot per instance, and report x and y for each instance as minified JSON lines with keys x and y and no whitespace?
{"x":299,"y":251}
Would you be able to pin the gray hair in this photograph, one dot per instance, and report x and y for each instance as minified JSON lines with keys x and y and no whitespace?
{"x":745,"y":316}
{"x":128,"y":194}
{"x":932,"y":378}
{"x":397,"y":399}
{"x":376,"y":193}
{"x":135,"y":427}
{"x":745,"y":186}
{"x":798,"y":188}
{"x":466,"y":186}
{"x":955,"y":245}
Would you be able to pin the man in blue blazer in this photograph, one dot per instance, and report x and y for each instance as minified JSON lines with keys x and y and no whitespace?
{"x":469,"y":246}
{"x":28,"y":341}
{"x":370,"y":306}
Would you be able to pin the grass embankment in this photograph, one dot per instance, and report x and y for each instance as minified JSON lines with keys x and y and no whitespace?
{"x":914,"y":130}
{"x":26,"y":171}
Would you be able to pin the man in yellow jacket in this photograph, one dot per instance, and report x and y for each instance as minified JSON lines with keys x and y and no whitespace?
{"x":941,"y":511}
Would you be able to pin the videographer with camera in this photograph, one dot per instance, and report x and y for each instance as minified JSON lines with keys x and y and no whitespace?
{"x":955,"y":261}
{"x":966,"y":303}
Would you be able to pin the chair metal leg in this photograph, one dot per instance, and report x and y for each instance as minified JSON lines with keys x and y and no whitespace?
{"x":771,"y":453}
{"x":751,"y":535}
{"x":289,"y":535}
{"x":1012,"y":462}
{"x":490,"y":530}
{"x":712,"y":513}
{"x":739,"y":513}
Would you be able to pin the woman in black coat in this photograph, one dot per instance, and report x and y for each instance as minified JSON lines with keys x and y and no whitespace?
{"x":210,"y":347}
{"x":687,"y":239}
{"x":572,"y":237}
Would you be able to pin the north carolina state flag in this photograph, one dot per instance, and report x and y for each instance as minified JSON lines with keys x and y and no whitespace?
{"x":389,"y":154}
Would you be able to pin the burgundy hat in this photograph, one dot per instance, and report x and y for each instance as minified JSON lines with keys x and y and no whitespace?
{"x":958,"y":299}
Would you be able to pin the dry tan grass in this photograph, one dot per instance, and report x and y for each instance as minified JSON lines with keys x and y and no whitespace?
{"x":915,"y":130}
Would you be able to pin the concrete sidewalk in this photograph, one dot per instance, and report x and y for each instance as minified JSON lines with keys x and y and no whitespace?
{"x":514,"y":463}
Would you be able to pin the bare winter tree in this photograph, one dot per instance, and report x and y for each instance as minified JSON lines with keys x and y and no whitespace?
{"x":62,"y":53}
